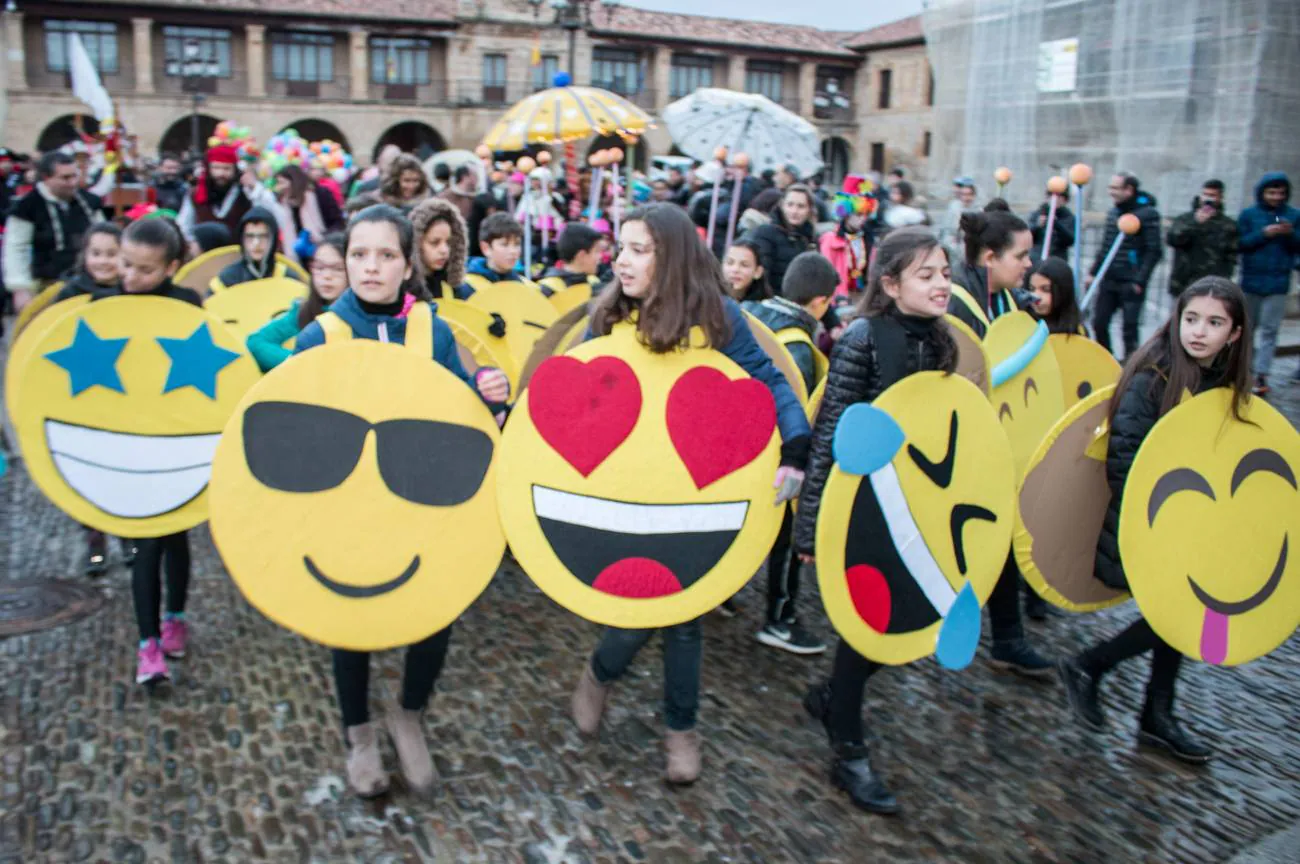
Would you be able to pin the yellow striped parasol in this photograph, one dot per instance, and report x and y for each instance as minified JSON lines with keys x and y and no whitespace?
{"x":566,"y":114}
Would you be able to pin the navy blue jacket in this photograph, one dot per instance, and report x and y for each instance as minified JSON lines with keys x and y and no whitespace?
{"x":1266,"y":262}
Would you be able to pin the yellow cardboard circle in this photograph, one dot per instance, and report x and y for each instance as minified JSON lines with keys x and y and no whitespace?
{"x":571,"y":297}
{"x":246,"y":307}
{"x":1030,"y":402}
{"x":640,"y":505}
{"x":36,"y":306}
{"x":199,"y":273}
{"x":469,"y":325}
{"x":526,"y":312}
{"x":779,"y":355}
{"x":923,"y":511}
{"x":1061,"y":507}
{"x":21,"y":348}
{"x":972,"y":359}
{"x":133,"y":462}
{"x":1209,"y":529}
{"x":553,"y":342}
{"x":1086,"y":367}
{"x":344,"y":560}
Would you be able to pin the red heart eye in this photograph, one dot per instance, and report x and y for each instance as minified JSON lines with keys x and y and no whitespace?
{"x":718,"y":425}
{"x":584,"y":410}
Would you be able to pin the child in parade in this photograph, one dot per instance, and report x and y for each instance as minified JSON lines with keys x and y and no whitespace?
{"x":810,"y":281}
{"x":501,"y":240}
{"x":207,"y":236}
{"x":259,"y":245}
{"x":987,"y":282}
{"x":444,"y":245}
{"x":901,"y":313}
{"x":668,"y":281}
{"x":1206,"y":343}
{"x":1052,"y":284}
{"x":744,"y":274}
{"x":329,"y":278}
{"x":848,"y":247}
{"x":381,"y":258}
{"x":151,"y":254}
{"x":579,"y":249}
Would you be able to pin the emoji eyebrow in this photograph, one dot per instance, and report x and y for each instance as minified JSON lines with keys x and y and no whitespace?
{"x":1030,"y":382}
{"x":1177,"y":480}
{"x":1269,"y":461}
{"x":1005,"y":409}
{"x":940,"y":473}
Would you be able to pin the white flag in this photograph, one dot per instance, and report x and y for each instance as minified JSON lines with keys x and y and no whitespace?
{"x":86,"y":85}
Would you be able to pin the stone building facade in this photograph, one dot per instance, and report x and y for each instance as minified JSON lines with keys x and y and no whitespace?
{"x":437,"y":73}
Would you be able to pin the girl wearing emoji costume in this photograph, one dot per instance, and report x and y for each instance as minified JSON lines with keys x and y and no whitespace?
{"x":899,"y":332}
{"x":151,"y":254}
{"x":1205,"y":343}
{"x":444,"y":248}
{"x":985,"y":286}
{"x":381,"y":258}
{"x":669,"y":281}
{"x":329,"y":278}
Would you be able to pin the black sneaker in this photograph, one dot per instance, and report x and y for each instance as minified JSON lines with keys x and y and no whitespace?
{"x":128,"y":551}
{"x":789,"y":636}
{"x":1161,"y":731}
{"x":96,"y":554}
{"x":853,"y":773}
{"x":1016,"y":656}
{"x":1036,"y":608}
{"x":1082,"y":694}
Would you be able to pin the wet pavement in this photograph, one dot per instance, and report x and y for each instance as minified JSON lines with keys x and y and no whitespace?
{"x":241,"y":758}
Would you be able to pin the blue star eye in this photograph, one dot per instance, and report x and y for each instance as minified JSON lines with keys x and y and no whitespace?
{"x":89,"y":360}
{"x":196,"y":360}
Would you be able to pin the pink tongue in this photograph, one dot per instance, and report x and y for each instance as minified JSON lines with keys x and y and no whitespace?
{"x":637,"y":577}
{"x":1214,"y":637}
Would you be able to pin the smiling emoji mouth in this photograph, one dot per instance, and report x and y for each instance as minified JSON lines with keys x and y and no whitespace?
{"x":1214,"y":627}
{"x":361,"y":592}
{"x":638,"y":551}
{"x":128,"y":475}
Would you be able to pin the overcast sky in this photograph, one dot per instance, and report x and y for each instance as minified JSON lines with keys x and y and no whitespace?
{"x":827,"y":14}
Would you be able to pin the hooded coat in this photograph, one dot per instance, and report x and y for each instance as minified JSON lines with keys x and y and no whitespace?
{"x":246,"y":270}
{"x":1266,"y":261}
{"x":449,"y":282}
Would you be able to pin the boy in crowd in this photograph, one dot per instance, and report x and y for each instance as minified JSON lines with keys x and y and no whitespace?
{"x":501,"y":240}
{"x":259,"y":245}
{"x":580,"y":249}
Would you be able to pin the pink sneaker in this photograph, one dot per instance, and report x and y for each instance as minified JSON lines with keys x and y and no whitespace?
{"x":150,"y":665}
{"x":174,"y":635}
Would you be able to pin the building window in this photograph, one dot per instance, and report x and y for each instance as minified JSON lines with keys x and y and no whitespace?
{"x":766,"y":79}
{"x":302,"y":57}
{"x":690,"y":74}
{"x":494,"y":78}
{"x":878,"y":157}
{"x":831,"y":97}
{"x":544,"y":72}
{"x":399,"y":60}
{"x":886,"y":81}
{"x":925,"y":146}
{"x":209,"y":56}
{"x":616,"y":70}
{"x":99,"y":37}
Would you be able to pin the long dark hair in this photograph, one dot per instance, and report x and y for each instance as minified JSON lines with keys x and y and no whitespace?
{"x":687,"y":289}
{"x":390,"y":215}
{"x":900,"y":249}
{"x":995,"y":231}
{"x":1164,"y":352}
{"x":764,"y":289}
{"x":110,"y":229}
{"x":309,"y":309}
{"x":1064,"y":317}
{"x":299,"y":183}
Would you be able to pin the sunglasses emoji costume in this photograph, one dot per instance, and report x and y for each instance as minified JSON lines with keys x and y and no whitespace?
{"x":350,"y":512}
{"x":636,"y":488}
{"x":915,"y":520}
{"x":1209,"y":525}
{"x":120,"y":409}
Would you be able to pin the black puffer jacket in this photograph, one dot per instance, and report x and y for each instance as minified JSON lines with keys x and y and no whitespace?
{"x":1139,"y":253}
{"x":1139,"y":409}
{"x":778,"y":245}
{"x":855,"y":376}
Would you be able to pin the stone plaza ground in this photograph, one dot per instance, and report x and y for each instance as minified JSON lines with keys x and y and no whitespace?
{"x":241,"y":757}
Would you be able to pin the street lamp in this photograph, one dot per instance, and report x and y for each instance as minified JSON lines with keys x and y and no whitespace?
{"x":572,"y":15}
{"x":194,"y":69}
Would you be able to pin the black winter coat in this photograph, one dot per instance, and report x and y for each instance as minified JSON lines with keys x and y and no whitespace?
{"x":778,"y":245}
{"x":1138,"y":411}
{"x":1062,"y":232}
{"x":1139,"y":253}
{"x":855,"y":376}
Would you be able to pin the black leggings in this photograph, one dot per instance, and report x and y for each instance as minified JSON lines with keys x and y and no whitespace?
{"x":1004,"y":605}
{"x":151,"y":555}
{"x":782,"y":575}
{"x":849,"y":678}
{"x":1137,"y":638}
{"x":424,"y":662}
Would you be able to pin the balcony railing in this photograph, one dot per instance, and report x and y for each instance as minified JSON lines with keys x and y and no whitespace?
{"x":834,"y":113}
{"x":337,"y":89}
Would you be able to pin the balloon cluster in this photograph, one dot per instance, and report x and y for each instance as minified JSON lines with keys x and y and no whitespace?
{"x":240,"y":137}
{"x":856,"y":196}
{"x":286,"y":148}
{"x":331,"y":158}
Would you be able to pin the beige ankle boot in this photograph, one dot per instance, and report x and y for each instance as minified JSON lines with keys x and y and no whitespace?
{"x":365,"y":769}
{"x":589,"y":701}
{"x":407,"y":732}
{"x":683,"y":751}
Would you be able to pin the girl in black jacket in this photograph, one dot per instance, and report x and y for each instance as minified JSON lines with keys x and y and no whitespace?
{"x":1205,"y":343}
{"x":788,"y":234}
{"x":1052,"y":285}
{"x":903,"y":307}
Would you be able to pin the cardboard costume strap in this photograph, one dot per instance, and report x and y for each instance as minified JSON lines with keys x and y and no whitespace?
{"x":419,"y":329}
{"x":790,"y":335}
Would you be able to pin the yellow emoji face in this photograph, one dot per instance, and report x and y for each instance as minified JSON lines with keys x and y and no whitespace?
{"x":351,"y":513}
{"x":1086,"y":367}
{"x":524,"y":310}
{"x":636,"y":488}
{"x":779,"y":355}
{"x":1025,"y":382}
{"x":245,"y":307}
{"x":915,"y":520}
{"x":1209,"y":512}
{"x":478,"y":332}
{"x":121,"y":406}
{"x":23,"y":343}
{"x":1063,"y":502}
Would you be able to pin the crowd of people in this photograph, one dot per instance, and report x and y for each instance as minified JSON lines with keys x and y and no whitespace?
{"x":855,"y":276}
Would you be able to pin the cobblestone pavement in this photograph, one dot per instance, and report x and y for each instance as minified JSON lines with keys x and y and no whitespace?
{"x":241,"y":758}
